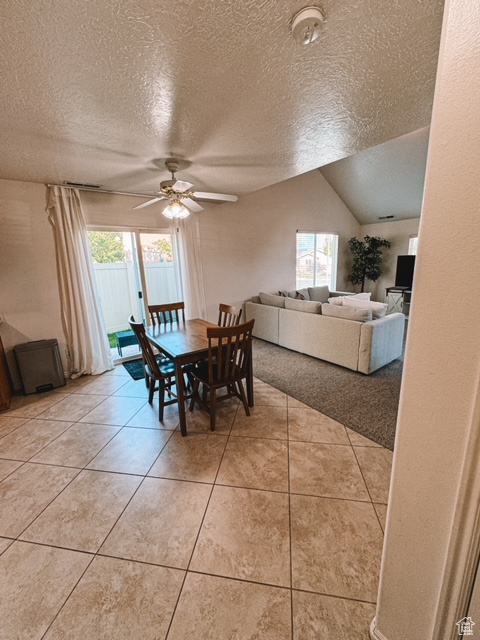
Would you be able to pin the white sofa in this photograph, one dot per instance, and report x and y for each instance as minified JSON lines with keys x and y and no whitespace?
{"x":304,"y":326}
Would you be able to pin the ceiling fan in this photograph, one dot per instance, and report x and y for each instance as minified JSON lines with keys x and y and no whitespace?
{"x":181,"y":197}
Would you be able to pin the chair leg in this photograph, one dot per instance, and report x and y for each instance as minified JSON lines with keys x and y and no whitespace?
{"x":147,"y":377}
{"x":213,"y":406}
{"x":196,"y":384}
{"x":161,"y":399}
{"x":151,"y":390}
{"x":244,"y":397}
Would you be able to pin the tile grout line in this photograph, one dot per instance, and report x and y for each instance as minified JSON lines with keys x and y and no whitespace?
{"x":290,"y":523}
{"x":200,"y":528}
{"x":97,"y":554}
{"x":230,"y":436}
{"x":368,"y":490}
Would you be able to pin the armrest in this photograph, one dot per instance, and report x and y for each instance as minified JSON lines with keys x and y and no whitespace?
{"x":266,"y":320}
{"x":381,"y":341}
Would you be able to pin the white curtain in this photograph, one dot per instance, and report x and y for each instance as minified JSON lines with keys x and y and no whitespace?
{"x":186,"y":237}
{"x":82,"y":316}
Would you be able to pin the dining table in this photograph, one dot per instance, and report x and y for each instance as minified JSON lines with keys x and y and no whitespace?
{"x":186,"y":343}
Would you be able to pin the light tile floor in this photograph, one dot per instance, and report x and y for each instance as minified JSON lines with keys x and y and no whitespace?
{"x":113,"y":526}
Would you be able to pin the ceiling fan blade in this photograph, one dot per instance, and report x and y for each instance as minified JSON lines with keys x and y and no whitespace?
{"x":149,"y":202}
{"x":221,"y":197}
{"x":191,"y":204}
{"x":180,"y":185}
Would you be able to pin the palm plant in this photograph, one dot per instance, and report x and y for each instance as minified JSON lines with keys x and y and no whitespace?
{"x":367,"y":259}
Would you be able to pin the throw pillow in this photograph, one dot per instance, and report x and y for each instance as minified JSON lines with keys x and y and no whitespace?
{"x":303,"y":305}
{"x":337,"y":300}
{"x":287,"y":294}
{"x":379,"y":309}
{"x":271,"y":299}
{"x":302,"y":294}
{"x":319,"y":294}
{"x":356,"y":296}
{"x":361,"y":296}
{"x":347,"y":313}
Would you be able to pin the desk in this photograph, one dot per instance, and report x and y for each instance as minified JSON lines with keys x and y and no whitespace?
{"x":186,"y":343}
{"x":398,"y":300}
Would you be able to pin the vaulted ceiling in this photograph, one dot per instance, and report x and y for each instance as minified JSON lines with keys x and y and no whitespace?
{"x":105,"y":92}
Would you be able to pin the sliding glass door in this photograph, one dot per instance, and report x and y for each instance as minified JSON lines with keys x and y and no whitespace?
{"x":132,"y":270}
{"x":161,"y":282}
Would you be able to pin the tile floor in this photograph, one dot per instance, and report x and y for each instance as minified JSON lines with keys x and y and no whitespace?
{"x":113,"y":526}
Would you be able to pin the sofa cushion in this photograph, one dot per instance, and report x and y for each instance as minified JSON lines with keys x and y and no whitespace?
{"x":303,"y":305}
{"x":379,"y":309}
{"x":271,"y":299}
{"x":319,"y":294}
{"x":302,"y":294}
{"x":348,"y":313}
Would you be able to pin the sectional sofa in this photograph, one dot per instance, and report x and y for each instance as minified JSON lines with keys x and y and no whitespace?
{"x":346,"y":333}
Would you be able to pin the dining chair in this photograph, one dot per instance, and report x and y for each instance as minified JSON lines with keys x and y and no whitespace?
{"x":161,"y":371}
{"x":167,"y":313}
{"x":228,"y":316}
{"x":228,"y":365}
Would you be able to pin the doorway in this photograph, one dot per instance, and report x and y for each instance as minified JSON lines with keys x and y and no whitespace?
{"x":132,"y":269}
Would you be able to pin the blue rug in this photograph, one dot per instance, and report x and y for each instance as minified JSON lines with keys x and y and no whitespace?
{"x":135,"y":368}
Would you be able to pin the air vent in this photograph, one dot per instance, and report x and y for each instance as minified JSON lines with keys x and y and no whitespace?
{"x":85,"y":185}
{"x":385,"y":217}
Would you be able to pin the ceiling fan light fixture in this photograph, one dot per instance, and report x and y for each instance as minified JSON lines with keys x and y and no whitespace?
{"x":176,"y":210}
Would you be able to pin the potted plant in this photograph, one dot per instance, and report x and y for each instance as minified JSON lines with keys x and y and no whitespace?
{"x":367,"y":259}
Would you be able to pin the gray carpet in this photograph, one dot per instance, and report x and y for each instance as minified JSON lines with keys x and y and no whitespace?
{"x":366,"y":404}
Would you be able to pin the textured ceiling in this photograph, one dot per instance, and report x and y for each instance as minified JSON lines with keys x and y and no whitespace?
{"x":386,"y":180}
{"x":104,"y":92}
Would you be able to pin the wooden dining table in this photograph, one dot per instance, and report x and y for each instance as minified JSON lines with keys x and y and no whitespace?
{"x":187,"y":343}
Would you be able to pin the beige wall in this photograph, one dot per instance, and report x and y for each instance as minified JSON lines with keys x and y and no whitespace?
{"x":398,"y":233}
{"x":433,"y":510}
{"x":116,"y":211}
{"x":29,"y":301}
{"x":250,"y":246}
{"x":246,"y":247}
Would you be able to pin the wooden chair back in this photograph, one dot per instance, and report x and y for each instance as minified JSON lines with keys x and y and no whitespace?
{"x":229,"y":352}
{"x":228,"y":316}
{"x":147,"y":351}
{"x":167,"y":313}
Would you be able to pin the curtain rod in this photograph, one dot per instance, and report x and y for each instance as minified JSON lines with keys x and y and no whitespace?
{"x":95,"y":190}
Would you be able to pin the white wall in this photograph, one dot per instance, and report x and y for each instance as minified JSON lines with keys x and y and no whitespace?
{"x":250,"y":246}
{"x":399,"y":233}
{"x":434,"y":495}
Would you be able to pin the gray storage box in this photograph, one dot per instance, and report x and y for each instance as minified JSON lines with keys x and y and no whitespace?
{"x":40,"y":365}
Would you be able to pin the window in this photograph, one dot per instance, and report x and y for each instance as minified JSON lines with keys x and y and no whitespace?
{"x":316,"y":259}
{"x":412,"y":246}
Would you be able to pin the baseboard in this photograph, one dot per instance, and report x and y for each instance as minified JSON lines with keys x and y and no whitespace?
{"x":375,"y":633}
